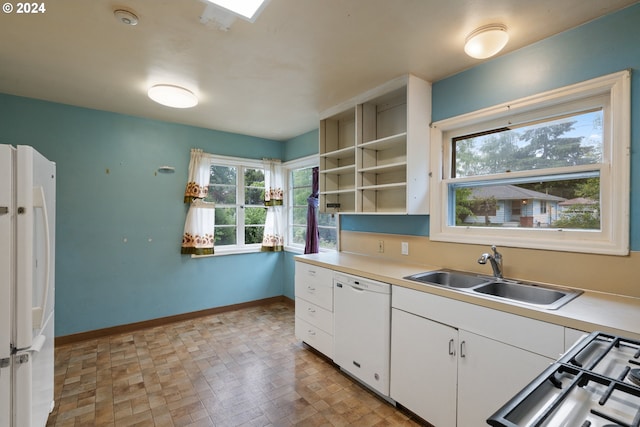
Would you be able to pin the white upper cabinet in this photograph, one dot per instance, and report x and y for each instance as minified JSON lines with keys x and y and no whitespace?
{"x":374,"y":150}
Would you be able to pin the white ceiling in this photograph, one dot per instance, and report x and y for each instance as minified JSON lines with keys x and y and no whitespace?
{"x":268,"y":79}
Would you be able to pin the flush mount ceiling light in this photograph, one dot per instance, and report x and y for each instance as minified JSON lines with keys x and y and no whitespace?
{"x":245,"y":9}
{"x":172,"y":96}
{"x":486,"y":41}
{"x":126,"y":17}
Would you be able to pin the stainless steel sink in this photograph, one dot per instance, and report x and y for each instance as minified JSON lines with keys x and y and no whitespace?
{"x":530,"y":293}
{"x":533,"y":294}
{"x":451,"y":279}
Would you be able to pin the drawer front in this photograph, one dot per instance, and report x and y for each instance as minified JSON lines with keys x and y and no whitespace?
{"x":314,"y":284}
{"x":315,"y":337}
{"x":315,"y":315}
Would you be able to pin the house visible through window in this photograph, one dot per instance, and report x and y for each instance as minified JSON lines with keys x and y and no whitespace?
{"x":558,"y":143}
{"x":557,"y":161}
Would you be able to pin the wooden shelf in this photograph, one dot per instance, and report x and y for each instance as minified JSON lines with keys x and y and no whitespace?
{"x":341,"y":153}
{"x":392,"y":167}
{"x":385,"y":143}
{"x":384,"y":186}
{"x":374,"y":150}
{"x":342,"y":170}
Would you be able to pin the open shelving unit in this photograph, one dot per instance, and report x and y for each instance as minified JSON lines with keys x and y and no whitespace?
{"x":374,"y":151}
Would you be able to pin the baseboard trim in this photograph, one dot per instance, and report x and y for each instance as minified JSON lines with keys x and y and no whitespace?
{"x":132,"y":327}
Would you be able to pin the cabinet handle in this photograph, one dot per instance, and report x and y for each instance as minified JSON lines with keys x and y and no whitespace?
{"x":311,"y":310}
{"x":463,"y":348}
{"x":311,"y":288}
{"x":452,"y":347}
{"x":312,"y":333}
{"x":312,"y":272}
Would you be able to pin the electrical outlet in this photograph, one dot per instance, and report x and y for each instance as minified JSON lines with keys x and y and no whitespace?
{"x":404,"y":248}
{"x":380,"y":246}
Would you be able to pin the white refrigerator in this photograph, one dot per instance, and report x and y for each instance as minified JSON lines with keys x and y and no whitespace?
{"x":27,"y":288}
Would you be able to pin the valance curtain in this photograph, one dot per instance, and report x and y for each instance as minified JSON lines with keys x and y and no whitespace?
{"x":198,"y":237}
{"x":273,"y":238}
{"x":312,"y":241}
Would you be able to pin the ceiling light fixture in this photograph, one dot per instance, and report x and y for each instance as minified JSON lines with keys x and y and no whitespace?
{"x":126,"y":17}
{"x":486,"y":41}
{"x":246,"y":9}
{"x":172,"y":96}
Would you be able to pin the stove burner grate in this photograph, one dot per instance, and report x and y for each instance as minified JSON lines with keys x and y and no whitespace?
{"x":579,"y":370}
{"x":634,"y":376}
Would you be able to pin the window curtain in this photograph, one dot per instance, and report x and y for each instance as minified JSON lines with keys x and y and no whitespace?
{"x":199,"y":226}
{"x":312,"y":242}
{"x":273,"y":238}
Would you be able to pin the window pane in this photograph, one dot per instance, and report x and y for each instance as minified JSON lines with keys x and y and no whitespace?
{"x":566,"y":141}
{"x":300,"y":215}
{"x":327,"y":220}
{"x":223,"y":175}
{"x":222,"y":194}
{"x":299,"y":234}
{"x":555,"y":204}
{"x":302,"y":177}
{"x":254,"y":186}
{"x":225,"y":216}
{"x":254,"y":196}
{"x":300,"y":196}
{"x":255,"y":216}
{"x":328,"y":238}
{"x":253,"y":235}
{"x":225,"y":235}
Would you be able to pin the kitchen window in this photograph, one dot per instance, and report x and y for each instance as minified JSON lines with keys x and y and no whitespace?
{"x":550,"y":171}
{"x":237,"y":188}
{"x":299,"y":188}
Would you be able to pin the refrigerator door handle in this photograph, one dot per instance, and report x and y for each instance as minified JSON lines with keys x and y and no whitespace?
{"x":39,"y":201}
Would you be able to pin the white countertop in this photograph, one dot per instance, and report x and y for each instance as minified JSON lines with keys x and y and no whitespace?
{"x":591,"y":311}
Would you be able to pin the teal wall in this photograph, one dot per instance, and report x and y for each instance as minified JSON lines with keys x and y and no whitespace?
{"x":102,"y":281}
{"x":601,"y":47}
{"x":301,"y":146}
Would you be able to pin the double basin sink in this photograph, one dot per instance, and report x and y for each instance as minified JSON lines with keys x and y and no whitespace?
{"x":533,"y":294}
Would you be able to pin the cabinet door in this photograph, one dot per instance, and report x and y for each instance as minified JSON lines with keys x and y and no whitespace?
{"x":423,"y":372}
{"x":489,"y":374}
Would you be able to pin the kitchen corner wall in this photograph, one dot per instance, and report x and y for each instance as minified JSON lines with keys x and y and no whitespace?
{"x":120,"y":221}
{"x":600,"y":47}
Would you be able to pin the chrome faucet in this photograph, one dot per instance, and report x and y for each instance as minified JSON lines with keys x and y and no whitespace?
{"x":495,"y":259}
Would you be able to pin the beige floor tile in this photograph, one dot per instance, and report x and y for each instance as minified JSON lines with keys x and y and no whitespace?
{"x":239,"y":368}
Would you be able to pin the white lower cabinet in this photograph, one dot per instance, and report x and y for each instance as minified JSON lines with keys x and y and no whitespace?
{"x":454,"y":377}
{"x":314,"y":307}
{"x":489,"y":374}
{"x":423,"y":372}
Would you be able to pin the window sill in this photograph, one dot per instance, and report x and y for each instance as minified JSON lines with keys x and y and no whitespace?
{"x":230,"y":251}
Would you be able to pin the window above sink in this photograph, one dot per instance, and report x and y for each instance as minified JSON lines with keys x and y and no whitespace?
{"x":547,"y":172}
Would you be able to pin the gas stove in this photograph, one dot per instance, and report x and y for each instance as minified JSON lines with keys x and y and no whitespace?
{"x":595,"y":384}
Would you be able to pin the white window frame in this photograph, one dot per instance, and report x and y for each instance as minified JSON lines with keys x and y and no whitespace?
{"x":241,"y":164}
{"x":613,"y":237}
{"x":304,"y":162}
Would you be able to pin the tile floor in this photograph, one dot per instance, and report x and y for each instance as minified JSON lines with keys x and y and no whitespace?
{"x":239,"y":368}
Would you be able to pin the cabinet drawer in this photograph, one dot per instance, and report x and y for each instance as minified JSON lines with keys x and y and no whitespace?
{"x":314,"y":284}
{"x":315,"y":315}
{"x":315,"y":337}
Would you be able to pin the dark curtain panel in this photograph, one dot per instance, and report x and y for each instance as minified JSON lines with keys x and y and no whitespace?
{"x":312,"y":244}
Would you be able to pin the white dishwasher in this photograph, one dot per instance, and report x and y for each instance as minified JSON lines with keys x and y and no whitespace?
{"x":362,"y":329}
